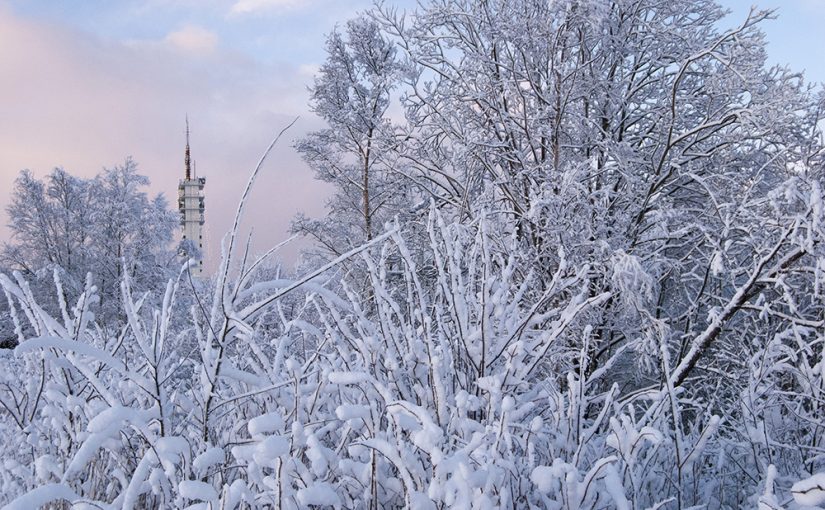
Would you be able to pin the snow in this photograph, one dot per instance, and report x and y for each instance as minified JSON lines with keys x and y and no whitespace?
{"x":270,"y":449}
{"x":698,"y":449}
{"x":810,"y":491}
{"x":45,"y":342}
{"x":543,"y":477}
{"x":265,"y":424}
{"x":419,"y":501}
{"x":242,"y":376}
{"x":321,"y":494}
{"x":352,"y":412}
{"x":200,"y":491}
{"x":347,"y":378}
{"x":211,"y":457}
{"x":172,"y":446}
{"x":104,"y":426}
{"x":136,"y":485}
{"x":768,"y":500}
{"x":45,"y":467}
{"x":316,"y":453}
{"x":614,"y":486}
{"x":111,"y":419}
{"x":238,"y":492}
{"x":41,"y":496}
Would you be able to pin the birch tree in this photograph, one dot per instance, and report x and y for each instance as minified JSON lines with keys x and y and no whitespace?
{"x":352,"y":95}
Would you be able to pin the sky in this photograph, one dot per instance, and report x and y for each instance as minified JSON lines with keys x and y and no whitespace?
{"x":85,"y":84}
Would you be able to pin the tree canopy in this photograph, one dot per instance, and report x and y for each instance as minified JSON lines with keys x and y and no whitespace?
{"x":101,"y":227}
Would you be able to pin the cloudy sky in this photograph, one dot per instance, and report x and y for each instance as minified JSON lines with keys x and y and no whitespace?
{"x":85,"y":84}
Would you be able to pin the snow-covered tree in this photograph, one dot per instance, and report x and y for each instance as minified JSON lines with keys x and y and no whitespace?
{"x":93,"y":226}
{"x":50,"y":222}
{"x":351,"y":95}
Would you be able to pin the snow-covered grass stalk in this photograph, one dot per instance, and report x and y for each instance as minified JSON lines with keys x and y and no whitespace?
{"x":442,"y":387}
{"x":445,"y":386}
{"x":450,"y":377}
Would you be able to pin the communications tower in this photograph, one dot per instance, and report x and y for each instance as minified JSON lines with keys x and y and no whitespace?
{"x":191,"y":207}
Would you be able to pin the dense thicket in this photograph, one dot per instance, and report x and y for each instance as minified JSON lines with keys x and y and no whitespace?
{"x":603,"y":290}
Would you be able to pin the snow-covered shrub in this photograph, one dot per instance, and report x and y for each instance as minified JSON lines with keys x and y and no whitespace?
{"x":456,"y":392}
{"x":418,"y":394}
{"x":456,"y":376}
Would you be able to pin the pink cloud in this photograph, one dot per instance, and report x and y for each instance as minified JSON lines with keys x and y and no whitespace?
{"x":193,"y":38}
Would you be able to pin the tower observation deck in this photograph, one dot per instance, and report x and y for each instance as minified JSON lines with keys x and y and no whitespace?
{"x":191,"y":207}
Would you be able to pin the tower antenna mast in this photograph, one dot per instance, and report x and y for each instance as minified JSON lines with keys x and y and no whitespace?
{"x":186,"y":157}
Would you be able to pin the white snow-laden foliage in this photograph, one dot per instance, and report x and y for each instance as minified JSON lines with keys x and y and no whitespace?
{"x":428,"y":393}
{"x":583,"y":271}
{"x":446,"y":387}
